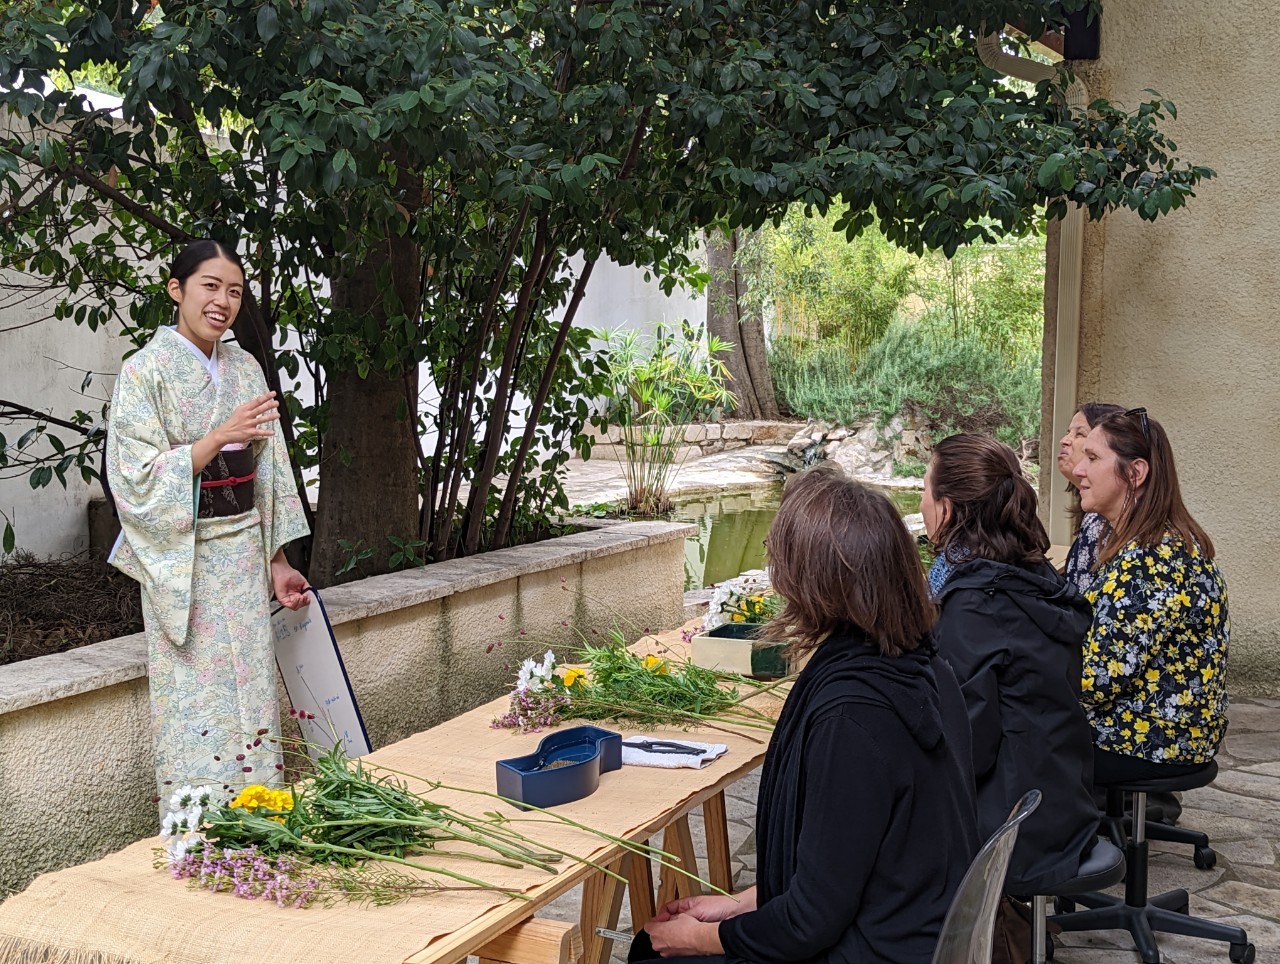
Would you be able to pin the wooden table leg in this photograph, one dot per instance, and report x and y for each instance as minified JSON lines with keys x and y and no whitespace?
{"x":677,"y":840}
{"x":601,"y":906}
{"x":716,"y":823}
{"x":534,"y":941}
{"x":640,"y":889}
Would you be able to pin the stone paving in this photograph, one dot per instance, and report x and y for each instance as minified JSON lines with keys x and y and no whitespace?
{"x":1240,"y":812}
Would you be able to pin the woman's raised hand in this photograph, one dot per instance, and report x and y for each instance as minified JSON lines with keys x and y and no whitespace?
{"x":251,"y":421}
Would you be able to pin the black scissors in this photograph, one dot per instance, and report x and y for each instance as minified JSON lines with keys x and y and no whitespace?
{"x":664,"y":746}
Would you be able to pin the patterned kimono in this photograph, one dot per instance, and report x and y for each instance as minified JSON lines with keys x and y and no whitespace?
{"x":205,"y":582}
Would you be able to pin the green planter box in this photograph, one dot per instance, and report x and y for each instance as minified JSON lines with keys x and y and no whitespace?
{"x":734,"y":648}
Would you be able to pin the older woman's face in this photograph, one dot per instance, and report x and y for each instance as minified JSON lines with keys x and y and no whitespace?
{"x":1097,"y":476}
{"x":1071,"y":446}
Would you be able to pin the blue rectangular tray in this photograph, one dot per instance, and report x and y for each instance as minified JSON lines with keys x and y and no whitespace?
{"x":566,"y":766}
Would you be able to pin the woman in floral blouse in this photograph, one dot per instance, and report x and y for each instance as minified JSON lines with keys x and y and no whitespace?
{"x":1155,"y":660}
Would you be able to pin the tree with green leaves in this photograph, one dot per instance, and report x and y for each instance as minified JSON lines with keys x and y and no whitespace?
{"x":431,"y":183}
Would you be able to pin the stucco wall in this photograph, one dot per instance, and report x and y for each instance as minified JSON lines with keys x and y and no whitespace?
{"x":1183,"y":316}
{"x":42,"y":366}
{"x":76,"y":763}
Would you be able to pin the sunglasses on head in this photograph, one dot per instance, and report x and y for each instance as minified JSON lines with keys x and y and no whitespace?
{"x":1142,"y":421}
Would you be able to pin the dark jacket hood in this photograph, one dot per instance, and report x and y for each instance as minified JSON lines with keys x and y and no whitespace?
{"x":1053,"y":605}
{"x":852,"y":669}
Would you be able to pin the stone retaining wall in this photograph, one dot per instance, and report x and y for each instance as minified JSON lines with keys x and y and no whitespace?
{"x":701,"y":438}
{"x":76,"y":763}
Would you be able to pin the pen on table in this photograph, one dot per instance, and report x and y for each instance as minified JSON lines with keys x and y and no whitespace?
{"x":614,"y":935}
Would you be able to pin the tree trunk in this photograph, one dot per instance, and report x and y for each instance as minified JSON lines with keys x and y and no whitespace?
{"x":728,"y":320}
{"x":722,"y":321}
{"x":370,"y":443}
{"x":754,"y":351}
{"x":370,"y":449}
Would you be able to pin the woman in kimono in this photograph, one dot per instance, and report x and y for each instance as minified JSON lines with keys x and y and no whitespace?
{"x":206,"y":498}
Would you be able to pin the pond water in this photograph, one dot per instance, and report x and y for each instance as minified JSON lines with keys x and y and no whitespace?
{"x":732,"y":527}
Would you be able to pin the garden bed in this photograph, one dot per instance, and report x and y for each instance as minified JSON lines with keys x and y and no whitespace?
{"x":51,"y":606}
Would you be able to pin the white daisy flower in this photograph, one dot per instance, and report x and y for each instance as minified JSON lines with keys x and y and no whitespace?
{"x":177,"y":848}
{"x":181,"y":798}
{"x":526,"y":674}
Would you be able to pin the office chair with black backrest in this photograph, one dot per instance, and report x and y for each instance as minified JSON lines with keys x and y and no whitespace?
{"x":967,"y":931}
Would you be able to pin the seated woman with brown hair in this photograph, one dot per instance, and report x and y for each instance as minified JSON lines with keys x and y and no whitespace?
{"x":1155,"y":662}
{"x":1012,"y":629}
{"x":864,"y":821}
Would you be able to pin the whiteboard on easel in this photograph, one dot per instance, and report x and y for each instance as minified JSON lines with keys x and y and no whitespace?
{"x":316,"y":681}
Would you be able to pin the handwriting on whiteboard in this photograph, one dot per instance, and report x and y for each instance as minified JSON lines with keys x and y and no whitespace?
{"x":316,"y":680}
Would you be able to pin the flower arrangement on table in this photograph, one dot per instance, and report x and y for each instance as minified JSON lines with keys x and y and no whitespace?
{"x":351,"y":832}
{"x":614,"y":683}
{"x":747,"y":598}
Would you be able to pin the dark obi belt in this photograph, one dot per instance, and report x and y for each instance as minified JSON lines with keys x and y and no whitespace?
{"x":226,"y":484}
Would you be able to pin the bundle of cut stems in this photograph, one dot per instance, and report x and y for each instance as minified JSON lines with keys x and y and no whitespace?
{"x":348,"y":819}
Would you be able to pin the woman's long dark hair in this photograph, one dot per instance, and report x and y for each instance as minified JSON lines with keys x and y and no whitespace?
{"x":1156,"y":507}
{"x":993,"y":506}
{"x":1093,"y":412}
{"x":841,"y":557}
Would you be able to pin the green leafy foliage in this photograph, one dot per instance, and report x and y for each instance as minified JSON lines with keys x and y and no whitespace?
{"x":817,"y":284}
{"x":409,"y":182}
{"x":949,"y":383}
{"x":657,"y":386}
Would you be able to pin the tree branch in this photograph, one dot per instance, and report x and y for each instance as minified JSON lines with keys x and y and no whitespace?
{"x":10,"y":409}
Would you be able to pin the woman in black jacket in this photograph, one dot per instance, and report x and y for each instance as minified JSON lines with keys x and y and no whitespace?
{"x":1012,"y":629}
{"x":865,"y":820}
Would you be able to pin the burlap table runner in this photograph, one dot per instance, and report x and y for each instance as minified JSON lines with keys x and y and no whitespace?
{"x":120,"y":910}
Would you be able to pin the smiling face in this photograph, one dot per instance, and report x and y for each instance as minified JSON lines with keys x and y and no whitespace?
{"x":1097,"y":475}
{"x":208,"y":301}
{"x":1071,"y":446}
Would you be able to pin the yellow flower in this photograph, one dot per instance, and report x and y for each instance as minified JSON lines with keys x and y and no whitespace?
{"x":573,"y":676}
{"x":1141,"y":726}
{"x":738,"y":618}
{"x":257,"y":797}
{"x":656,"y":664}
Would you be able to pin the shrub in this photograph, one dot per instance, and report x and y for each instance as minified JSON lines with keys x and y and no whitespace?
{"x":656,"y":385}
{"x":949,"y":383}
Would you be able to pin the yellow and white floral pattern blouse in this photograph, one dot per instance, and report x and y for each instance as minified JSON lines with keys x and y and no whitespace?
{"x":1155,"y":660}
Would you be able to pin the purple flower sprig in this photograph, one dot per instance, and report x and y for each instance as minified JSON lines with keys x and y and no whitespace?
{"x":532,"y":710}
{"x":250,"y":874}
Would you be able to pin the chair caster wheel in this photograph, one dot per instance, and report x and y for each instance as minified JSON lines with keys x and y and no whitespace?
{"x":1063,"y":905}
{"x":1205,"y":858}
{"x":1242,"y":953}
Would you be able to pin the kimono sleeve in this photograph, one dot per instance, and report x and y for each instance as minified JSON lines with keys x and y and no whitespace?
{"x":275,"y":492}
{"x":154,"y":490}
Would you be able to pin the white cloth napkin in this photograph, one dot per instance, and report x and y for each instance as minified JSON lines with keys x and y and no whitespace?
{"x":671,"y":761}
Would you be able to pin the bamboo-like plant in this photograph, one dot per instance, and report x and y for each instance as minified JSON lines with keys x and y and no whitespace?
{"x":658,"y":386}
